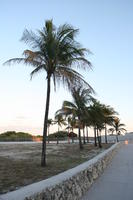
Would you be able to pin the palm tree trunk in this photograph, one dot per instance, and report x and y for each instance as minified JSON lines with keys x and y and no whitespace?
{"x":48,"y":134}
{"x":72,"y":136}
{"x":106,"y":141}
{"x":69,"y":138}
{"x":84,"y":135}
{"x":58,"y":128}
{"x":43,"y":157}
{"x":87,"y":134}
{"x":98,"y":137}
{"x":95,"y":137}
{"x":80,"y":142}
{"x":117,"y":137}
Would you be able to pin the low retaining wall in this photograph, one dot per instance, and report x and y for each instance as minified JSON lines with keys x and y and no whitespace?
{"x":69,"y":185}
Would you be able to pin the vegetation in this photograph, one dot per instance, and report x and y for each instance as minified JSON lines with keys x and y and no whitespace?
{"x":59,"y":134}
{"x":77,"y":108}
{"x":56,"y":52}
{"x":49,"y":123}
{"x":117,"y":127}
{"x":13,"y":136}
{"x":100,"y":116}
{"x":62,"y":134}
{"x":59,"y":121}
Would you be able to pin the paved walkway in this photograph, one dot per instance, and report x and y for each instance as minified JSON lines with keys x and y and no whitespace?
{"x":116,"y":183}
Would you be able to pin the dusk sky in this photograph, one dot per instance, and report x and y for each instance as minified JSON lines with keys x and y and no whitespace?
{"x":105,"y":27}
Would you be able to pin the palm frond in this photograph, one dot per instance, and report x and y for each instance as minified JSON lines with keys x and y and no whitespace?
{"x":31,"y":38}
{"x":14,"y":60}
{"x":36,"y":71}
{"x":69,"y":104}
{"x":26,"y":61}
{"x":70,"y":78}
{"x":66,"y":32}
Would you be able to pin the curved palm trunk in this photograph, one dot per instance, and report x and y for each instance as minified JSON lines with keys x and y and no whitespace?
{"x":106,"y":141}
{"x":43,"y":157}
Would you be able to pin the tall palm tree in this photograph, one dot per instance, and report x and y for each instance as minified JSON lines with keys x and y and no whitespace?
{"x":56,"y":52}
{"x":117,"y":127}
{"x":77,"y":108}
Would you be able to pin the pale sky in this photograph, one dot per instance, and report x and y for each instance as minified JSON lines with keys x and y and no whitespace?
{"x":106,"y":28}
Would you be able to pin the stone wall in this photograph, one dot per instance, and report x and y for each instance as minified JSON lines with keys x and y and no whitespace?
{"x":69,"y":185}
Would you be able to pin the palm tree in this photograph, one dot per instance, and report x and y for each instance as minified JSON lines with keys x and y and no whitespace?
{"x":117,"y":127}
{"x":108,"y":117}
{"x":59,"y":120}
{"x":111,"y":130}
{"x":96,"y":116}
{"x":87,"y":120}
{"x":71,"y":125}
{"x":56,"y":52}
{"x":77,"y":108}
{"x":71,"y":122}
{"x":84,"y":119}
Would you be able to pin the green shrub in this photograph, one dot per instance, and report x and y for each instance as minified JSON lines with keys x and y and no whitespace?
{"x":61,"y":134}
{"x":14,"y":136}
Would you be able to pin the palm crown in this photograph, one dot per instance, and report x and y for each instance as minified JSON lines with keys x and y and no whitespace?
{"x":56,"y":52}
{"x":117,"y":126}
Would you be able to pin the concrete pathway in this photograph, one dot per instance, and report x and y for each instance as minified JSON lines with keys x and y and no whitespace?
{"x":116,"y":183}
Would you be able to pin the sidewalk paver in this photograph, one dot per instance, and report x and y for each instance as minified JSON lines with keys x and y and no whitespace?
{"x":116,"y":183}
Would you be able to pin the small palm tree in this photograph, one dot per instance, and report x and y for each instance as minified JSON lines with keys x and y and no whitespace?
{"x":59,"y":120}
{"x":71,"y":125}
{"x":71,"y":122}
{"x":108,"y":116}
{"x":117,"y":127}
{"x":55,"y":52}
